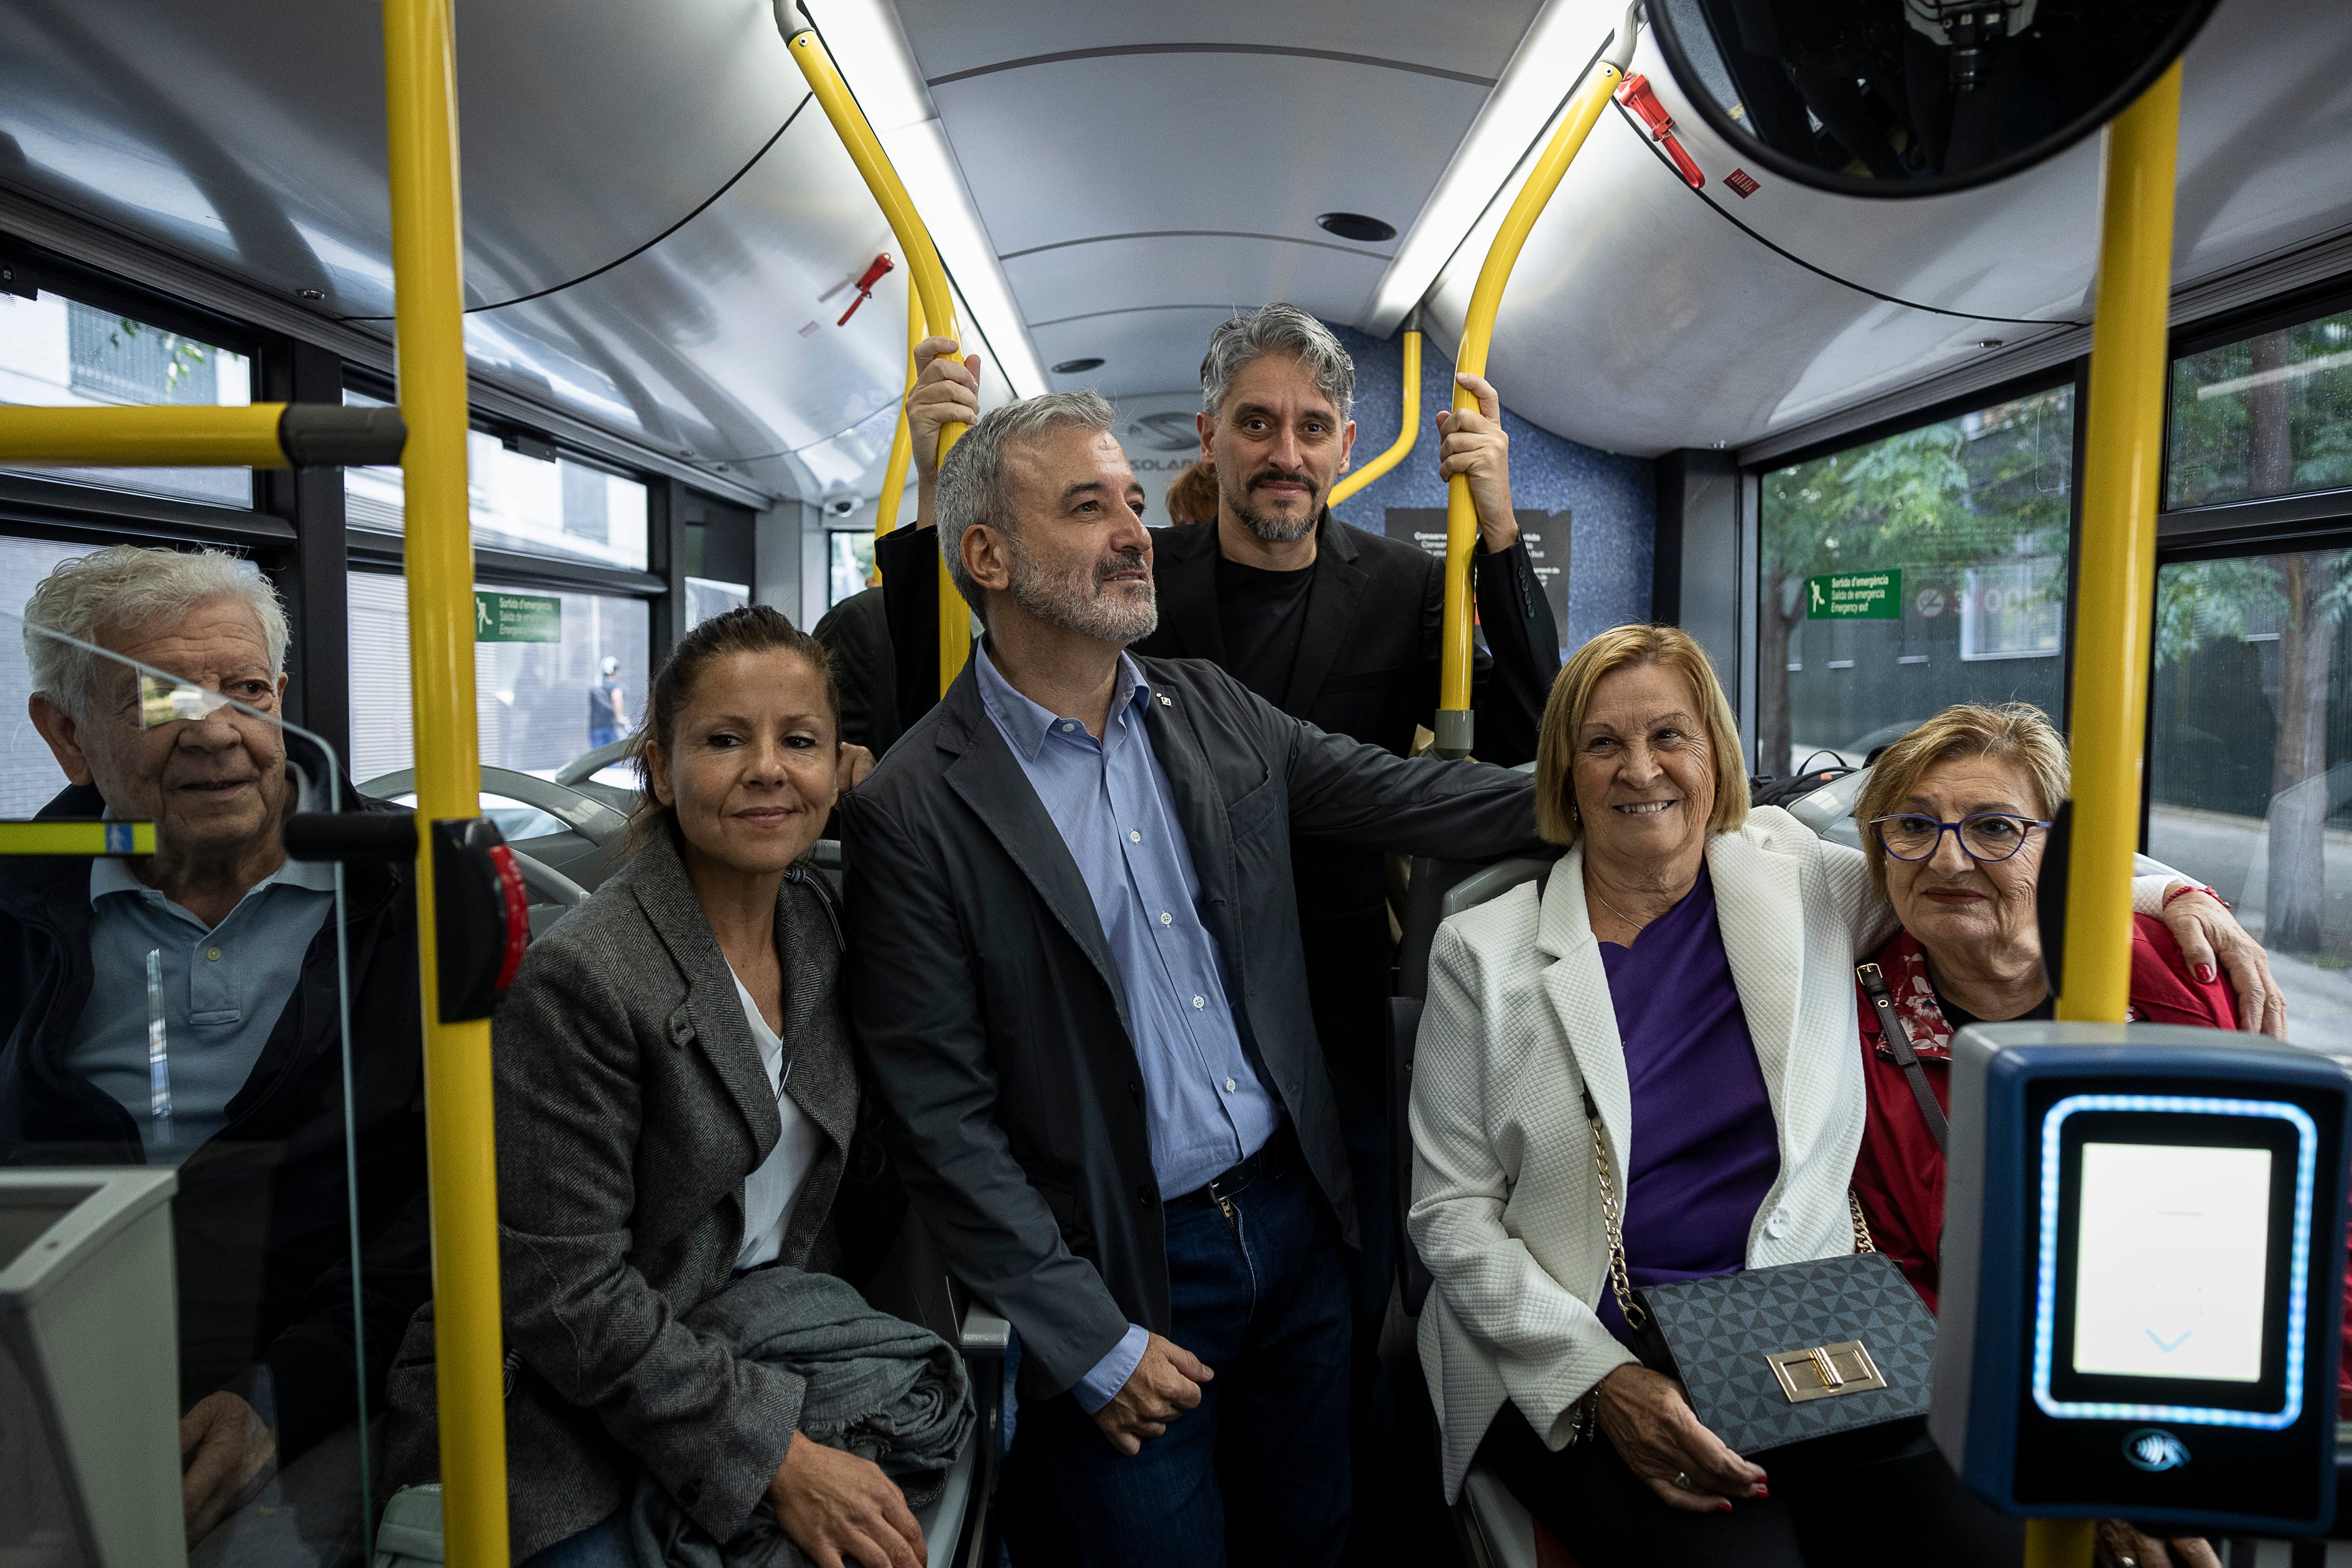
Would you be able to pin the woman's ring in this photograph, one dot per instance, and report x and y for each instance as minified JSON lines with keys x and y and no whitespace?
{"x":1682,"y":1479}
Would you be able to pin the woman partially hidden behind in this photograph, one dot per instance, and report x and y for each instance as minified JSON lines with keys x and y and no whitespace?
{"x":1684,"y":979}
{"x":675,"y":1099}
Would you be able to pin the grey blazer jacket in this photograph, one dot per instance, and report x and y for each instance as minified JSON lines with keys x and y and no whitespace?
{"x":631,"y":1104}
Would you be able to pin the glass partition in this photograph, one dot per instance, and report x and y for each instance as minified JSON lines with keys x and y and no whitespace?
{"x":2250,"y":763}
{"x":1912,"y":573}
{"x":182,"y":1006}
{"x":56,"y":351}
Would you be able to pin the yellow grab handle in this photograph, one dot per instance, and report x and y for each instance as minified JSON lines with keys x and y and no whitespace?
{"x":155,"y":435}
{"x":2121,"y":446}
{"x":1407,"y":433}
{"x":1454,"y":719}
{"x":421,"y":102}
{"x":902,"y":442}
{"x":931,"y":278}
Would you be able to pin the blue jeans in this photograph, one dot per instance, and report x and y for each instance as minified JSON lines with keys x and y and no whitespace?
{"x":1258,"y":1472}
{"x":602,"y":1546}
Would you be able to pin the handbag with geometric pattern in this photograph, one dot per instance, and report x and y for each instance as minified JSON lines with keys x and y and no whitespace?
{"x":1833,"y":1355}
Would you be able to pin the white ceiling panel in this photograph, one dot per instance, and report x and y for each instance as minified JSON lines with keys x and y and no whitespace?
{"x":954,"y":37}
{"x":1155,"y":351}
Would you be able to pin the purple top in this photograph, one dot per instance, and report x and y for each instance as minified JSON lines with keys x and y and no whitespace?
{"x":1706,"y":1148}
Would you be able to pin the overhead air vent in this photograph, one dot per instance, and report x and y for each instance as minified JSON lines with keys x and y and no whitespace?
{"x":1078,"y":367}
{"x":1356,"y":226}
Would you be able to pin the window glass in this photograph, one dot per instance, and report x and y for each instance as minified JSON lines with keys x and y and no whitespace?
{"x":538,"y":704}
{"x":850,"y":565}
{"x":706,"y":597}
{"x":1913,"y":572}
{"x":29,"y":775}
{"x":533,"y":505}
{"x":2250,"y":763}
{"x":2268,"y":416}
{"x":59,"y":353}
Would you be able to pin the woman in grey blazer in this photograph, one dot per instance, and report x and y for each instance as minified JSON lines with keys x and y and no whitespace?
{"x":675,"y":1101}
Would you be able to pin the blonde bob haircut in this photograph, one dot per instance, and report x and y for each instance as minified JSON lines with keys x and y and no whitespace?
{"x":1623,"y":648}
{"x":2015,"y":732}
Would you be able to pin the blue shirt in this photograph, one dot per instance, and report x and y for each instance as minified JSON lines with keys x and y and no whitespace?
{"x":224,"y":988}
{"x":1203,"y":1100}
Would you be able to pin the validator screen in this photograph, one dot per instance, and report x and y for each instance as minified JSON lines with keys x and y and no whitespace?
{"x":2172,"y":1259}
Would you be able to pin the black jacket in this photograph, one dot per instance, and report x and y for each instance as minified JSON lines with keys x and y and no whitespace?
{"x":986,"y":1002}
{"x":1366,"y":667}
{"x":856,"y":637}
{"x":261,"y":1221}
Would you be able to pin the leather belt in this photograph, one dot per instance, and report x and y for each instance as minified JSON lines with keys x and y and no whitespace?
{"x":1277,"y":1153}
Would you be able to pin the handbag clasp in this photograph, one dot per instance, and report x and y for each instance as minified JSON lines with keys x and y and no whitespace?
{"x":1825,"y":1370}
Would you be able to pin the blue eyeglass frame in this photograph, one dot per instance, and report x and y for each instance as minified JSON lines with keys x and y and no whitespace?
{"x":1879,"y":823}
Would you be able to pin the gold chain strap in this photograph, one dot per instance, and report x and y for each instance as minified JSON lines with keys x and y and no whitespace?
{"x":1862,"y":1242}
{"x":1636,"y":1316}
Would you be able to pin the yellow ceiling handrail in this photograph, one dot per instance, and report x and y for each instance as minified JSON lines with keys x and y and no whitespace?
{"x":930,"y":276}
{"x":902,"y":440}
{"x":1408,"y":430}
{"x":1455,"y":728}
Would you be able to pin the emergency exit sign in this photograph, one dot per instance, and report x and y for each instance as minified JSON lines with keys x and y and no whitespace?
{"x":517,"y":618}
{"x":1854,"y":596}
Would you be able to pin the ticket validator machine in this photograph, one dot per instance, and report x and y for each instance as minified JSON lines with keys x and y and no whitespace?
{"x":2142,"y":1275}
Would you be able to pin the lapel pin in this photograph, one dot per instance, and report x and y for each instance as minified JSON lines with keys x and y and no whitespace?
{"x":1165,"y":702}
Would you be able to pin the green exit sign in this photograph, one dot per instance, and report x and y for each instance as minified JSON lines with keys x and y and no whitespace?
{"x":517,"y":618}
{"x":1854,"y":596}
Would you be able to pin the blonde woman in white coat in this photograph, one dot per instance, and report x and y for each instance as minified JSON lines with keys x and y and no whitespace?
{"x":1687,"y":971}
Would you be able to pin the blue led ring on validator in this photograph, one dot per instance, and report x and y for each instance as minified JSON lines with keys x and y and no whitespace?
{"x":2046,"y":1292}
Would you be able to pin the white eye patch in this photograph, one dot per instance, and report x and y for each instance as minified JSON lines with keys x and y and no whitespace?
{"x":163,"y":702}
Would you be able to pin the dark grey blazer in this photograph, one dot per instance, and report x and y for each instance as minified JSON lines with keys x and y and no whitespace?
{"x":631,"y":1104}
{"x":988,"y":1008}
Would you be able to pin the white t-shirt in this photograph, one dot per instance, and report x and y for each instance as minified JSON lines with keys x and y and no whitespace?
{"x":768,"y":1191}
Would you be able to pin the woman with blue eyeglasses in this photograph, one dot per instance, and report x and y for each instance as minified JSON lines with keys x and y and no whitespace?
{"x":1954,"y":820}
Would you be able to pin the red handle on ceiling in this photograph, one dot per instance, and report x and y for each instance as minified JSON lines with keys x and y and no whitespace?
{"x":865,"y":282}
{"x":1634,"y":93}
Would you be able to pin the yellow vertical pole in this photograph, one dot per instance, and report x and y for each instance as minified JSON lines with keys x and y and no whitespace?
{"x":2122,"y":450}
{"x":1408,"y":431}
{"x":1454,"y":733}
{"x":902,"y":444}
{"x":931,"y":278}
{"x":428,"y":277}
{"x":2059,"y":1542}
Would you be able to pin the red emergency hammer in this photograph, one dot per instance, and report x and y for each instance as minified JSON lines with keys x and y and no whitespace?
{"x":1634,"y":93}
{"x":865,"y":282}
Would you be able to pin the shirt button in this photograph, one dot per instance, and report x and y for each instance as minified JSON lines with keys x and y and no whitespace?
{"x":213,"y":953}
{"x":1229,"y":1086}
{"x":1200,"y":1001}
{"x":1165,"y":917}
{"x":1067,"y":726}
{"x":1133,"y":836}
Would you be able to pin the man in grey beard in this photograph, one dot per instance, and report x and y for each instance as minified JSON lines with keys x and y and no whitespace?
{"x":1075,"y":972}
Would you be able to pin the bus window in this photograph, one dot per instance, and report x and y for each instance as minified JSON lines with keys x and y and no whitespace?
{"x":535,"y":694}
{"x":1911,"y":573}
{"x":2249,"y":761}
{"x":56,"y":351}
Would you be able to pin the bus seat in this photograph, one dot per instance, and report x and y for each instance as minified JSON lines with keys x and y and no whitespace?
{"x":1496,"y":1531}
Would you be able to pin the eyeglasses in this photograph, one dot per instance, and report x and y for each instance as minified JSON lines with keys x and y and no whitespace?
{"x":1986,"y":836}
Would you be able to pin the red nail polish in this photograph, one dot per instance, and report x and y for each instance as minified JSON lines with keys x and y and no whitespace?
{"x":2205,"y":973}
{"x":1762,"y":1490}
{"x":1723,"y":1506}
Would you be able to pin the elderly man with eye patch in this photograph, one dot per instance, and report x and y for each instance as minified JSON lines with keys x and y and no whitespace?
{"x":232,"y":949}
